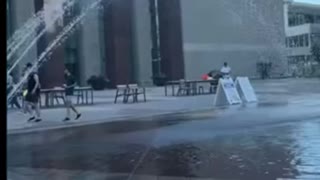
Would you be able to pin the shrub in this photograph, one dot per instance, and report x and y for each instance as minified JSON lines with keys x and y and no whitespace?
{"x":98,"y":82}
{"x":160,"y":79}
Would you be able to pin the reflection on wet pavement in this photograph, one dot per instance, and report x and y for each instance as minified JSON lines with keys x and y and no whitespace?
{"x":290,"y":151}
{"x":198,"y":148}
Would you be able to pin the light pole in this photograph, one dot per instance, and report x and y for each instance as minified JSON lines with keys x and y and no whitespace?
{"x":155,"y":36}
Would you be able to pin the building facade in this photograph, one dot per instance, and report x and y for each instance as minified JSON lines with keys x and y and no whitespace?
{"x":133,"y":41}
{"x":302,"y":26}
{"x":241,"y":32}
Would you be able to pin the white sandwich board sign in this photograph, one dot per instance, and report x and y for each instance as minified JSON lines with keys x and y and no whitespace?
{"x":227,"y":93}
{"x":246,"y":90}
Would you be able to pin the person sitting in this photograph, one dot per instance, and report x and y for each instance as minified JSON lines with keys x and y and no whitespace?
{"x":207,"y":76}
{"x":225,"y":70}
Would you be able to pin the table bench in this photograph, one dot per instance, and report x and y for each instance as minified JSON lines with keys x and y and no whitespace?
{"x":130,"y":90}
{"x":190,"y":87}
{"x":84,"y":96}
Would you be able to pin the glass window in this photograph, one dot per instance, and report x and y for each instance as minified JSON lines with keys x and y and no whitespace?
{"x":291,"y":19}
{"x":298,"y":19}
{"x":291,"y":42}
{"x":295,"y":41}
{"x":317,"y":19}
{"x":306,"y":36}
{"x":300,"y":41}
{"x":309,"y":18}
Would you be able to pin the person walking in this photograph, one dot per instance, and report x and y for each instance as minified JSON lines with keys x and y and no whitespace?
{"x":33,"y":95}
{"x":69,"y":90}
{"x":10,"y":86}
{"x":24,"y":92}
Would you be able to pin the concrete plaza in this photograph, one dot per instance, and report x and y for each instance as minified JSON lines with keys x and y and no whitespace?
{"x":287,"y":92}
{"x":278,"y":138}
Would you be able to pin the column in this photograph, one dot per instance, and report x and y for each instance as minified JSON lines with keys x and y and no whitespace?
{"x":118,"y":41}
{"x":142,"y":42}
{"x":52,"y":71}
{"x":90,"y":57}
{"x":171,"y":48}
{"x":21,"y":12}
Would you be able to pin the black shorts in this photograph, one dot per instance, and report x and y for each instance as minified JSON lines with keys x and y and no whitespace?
{"x":69,"y":92}
{"x":33,"y":98}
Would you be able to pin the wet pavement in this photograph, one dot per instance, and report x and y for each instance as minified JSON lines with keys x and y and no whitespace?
{"x":220,"y":145}
{"x":278,"y":138}
{"x":270,"y":92}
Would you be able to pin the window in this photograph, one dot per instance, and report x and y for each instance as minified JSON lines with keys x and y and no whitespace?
{"x":300,"y":18}
{"x":295,"y":41}
{"x":309,"y":18}
{"x":306,"y":36}
{"x":317,"y":19}
{"x":296,"y":19}
{"x":291,"y":19}
{"x":300,"y":40}
{"x":291,"y":42}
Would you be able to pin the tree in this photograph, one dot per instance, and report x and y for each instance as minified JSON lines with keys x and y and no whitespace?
{"x":316,"y":51}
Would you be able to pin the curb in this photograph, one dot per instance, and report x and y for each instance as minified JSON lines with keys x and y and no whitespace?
{"x":103,"y":121}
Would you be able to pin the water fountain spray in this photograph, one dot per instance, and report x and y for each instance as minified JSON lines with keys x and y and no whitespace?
{"x":35,"y":40}
{"x":61,"y":37}
{"x":21,"y":32}
{"x":37,"y":23}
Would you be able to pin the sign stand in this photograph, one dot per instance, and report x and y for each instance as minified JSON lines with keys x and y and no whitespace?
{"x":227,"y":93}
{"x":246,"y":90}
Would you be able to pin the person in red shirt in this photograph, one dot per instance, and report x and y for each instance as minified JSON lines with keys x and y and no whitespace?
{"x":205,"y":77}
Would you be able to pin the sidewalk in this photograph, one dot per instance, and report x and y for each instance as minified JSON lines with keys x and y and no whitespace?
{"x":40,"y":173}
{"x":270,"y":91}
{"x":104,"y":110}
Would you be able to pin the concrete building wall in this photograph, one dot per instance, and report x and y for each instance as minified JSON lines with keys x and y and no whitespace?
{"x":90,"y":55}
{"x":240,"y":32}
{"x":299,"y":56}
{"x":286,"y":13}
{"x":298,"y":30}
{"x":21,"y":12}
{"x":299,"y":51}
{"x":142,"y":42}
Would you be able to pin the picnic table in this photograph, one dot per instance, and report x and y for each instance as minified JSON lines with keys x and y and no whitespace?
{"x":83,"y":95}
{"x":193,"y":84}
{"x":128,"y":90}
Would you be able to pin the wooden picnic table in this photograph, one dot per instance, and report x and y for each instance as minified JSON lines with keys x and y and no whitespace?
{"x":187,"y":82}
{"x":82,"y":94}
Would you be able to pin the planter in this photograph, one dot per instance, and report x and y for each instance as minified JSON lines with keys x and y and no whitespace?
{"x":159,"y":81}
{"x":98,"y":87}
{"x":98,"y":83}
